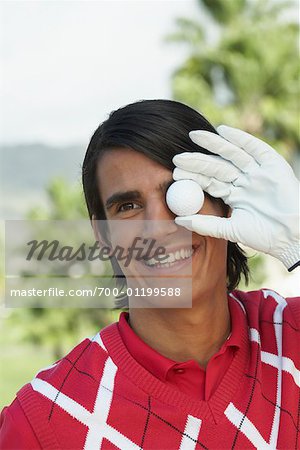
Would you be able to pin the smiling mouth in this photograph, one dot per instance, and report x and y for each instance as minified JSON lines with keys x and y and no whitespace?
{"x":174,"y":259}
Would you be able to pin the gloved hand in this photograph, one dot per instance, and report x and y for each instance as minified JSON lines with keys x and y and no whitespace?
{"x":255,"y":181}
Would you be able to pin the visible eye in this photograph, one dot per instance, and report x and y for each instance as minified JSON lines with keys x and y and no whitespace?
{"x":128,"y":206}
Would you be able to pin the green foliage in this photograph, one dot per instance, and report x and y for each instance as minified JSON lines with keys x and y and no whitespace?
{"x":224,"y":11}
{"x":28,"y":360}
{"x":248,"y":76}
{"x":256,"y":262}
{"x":65,"y":202}
{"x":56,"y":329}
{"x":53,"y":328}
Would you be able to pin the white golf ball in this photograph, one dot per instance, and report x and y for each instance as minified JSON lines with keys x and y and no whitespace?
{"x":185,"y":197}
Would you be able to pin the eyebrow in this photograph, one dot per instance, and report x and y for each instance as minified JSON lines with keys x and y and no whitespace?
{"x":119,"y":197}
{"x":163,"y":187}
{"x":126,"y":196}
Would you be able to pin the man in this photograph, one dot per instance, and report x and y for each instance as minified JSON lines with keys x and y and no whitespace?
{"x":221,"y":374}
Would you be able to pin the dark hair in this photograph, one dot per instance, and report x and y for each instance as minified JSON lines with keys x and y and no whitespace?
{"x":158,"y":129}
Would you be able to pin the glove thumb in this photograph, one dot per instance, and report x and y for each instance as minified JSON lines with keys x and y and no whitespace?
{"x":218,"y":227}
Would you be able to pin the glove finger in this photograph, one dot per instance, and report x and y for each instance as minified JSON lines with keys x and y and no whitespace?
{"x":214,"y":187}
{"x":218,"y":227}
{"x":181,"y":174}
{"x":255,"y":147}
{"x":208,"y":165}
{"x":220,"y":146}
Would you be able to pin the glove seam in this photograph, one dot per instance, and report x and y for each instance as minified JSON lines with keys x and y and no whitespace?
{"x":294,"y":266}
{"x":290,"y":257}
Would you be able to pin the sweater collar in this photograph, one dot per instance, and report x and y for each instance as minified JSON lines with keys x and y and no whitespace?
{"x":160,"y":365}
{"x":211,"y":410}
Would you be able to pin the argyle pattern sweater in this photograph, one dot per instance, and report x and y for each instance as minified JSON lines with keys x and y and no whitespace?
{"x":99,"y":397}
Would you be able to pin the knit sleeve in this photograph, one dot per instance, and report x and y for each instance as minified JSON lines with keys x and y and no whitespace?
{"x":15,"y":430}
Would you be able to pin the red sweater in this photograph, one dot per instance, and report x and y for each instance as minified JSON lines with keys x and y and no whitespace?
{"x":99,"y":396}
{"x":186,"y":376}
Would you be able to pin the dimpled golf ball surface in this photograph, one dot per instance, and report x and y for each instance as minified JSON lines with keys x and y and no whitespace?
{"x":185,"y":197}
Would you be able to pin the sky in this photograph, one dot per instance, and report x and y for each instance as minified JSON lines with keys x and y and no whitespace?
{"x":67,"y":64}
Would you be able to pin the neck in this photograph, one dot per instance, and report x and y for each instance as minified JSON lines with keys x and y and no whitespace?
{"x":189,"y":333}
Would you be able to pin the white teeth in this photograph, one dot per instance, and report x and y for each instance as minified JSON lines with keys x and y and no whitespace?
{"x":183,"y":253}
{"x":171,"y":258}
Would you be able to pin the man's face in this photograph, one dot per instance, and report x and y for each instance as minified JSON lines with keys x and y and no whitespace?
{"x":133,"y":190}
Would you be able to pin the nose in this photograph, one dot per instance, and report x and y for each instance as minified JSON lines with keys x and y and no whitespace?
{"x":159,"y":220}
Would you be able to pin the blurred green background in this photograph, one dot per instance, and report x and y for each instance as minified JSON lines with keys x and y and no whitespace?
{"x":244,"y":74}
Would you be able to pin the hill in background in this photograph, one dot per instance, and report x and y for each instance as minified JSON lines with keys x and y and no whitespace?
{"x":25,"y":171}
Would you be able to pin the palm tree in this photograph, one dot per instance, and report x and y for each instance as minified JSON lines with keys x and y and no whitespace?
{"x":247,"y":76}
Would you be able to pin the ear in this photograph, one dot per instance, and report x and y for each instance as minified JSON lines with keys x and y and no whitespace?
{"x":229,"y":212}
{"x":99,"y":234}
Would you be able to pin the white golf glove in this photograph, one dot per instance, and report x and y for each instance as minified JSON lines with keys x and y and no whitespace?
{"x":255,"y":181}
